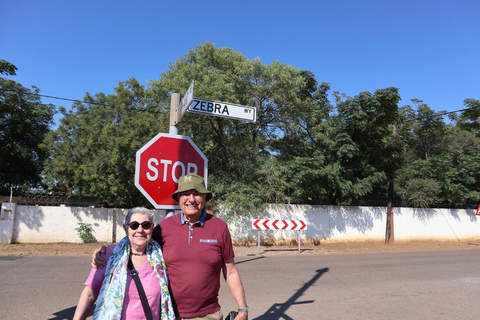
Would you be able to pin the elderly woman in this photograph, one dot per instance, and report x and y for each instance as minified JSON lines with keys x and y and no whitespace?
{"x":118,"y":296}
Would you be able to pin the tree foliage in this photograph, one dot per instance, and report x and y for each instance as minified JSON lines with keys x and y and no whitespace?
{"x":470,"y":118}
{"x":241,"y":154}
{"x":442,"y":161}
{"x":24,"y":123}
{"x":303,"y":149}
{"x":92,"y":152}
{"x":364,"y":150}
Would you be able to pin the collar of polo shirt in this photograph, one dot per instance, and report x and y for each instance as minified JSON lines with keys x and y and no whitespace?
{"x":200,"y":221}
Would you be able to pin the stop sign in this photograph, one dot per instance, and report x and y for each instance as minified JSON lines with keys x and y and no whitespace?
{"x":161,"y":162}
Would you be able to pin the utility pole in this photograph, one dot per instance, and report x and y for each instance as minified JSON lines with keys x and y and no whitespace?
{"x":389,"y":230}
{"x":389,"y":233}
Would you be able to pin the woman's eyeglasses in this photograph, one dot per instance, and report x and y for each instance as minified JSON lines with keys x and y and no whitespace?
{"x":145,"y":225}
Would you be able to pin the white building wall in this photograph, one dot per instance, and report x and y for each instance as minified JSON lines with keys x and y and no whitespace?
{"x":42,"y":224}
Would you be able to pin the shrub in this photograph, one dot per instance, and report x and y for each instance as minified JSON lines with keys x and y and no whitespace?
{"x":85,"y":232}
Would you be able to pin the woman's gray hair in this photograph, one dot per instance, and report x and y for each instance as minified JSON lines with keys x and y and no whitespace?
{"x":145,"y":211}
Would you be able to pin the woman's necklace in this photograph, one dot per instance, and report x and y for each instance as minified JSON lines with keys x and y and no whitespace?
{"x":138,"y":254}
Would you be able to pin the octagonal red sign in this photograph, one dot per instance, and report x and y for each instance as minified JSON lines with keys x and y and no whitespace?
{"x":161,"y":162}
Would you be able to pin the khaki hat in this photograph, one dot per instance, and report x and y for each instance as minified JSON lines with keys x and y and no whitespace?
{"x":191,"y":181}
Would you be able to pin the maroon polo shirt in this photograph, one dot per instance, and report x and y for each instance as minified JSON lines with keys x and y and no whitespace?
{"x":194,"y":256}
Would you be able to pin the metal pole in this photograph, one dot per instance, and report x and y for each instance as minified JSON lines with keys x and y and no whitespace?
{"x":258,"y":241}
{"x":174,"y":103}
{"x":114,"y":227}
{"x":299,"y":241}
{"x":169,"y":212}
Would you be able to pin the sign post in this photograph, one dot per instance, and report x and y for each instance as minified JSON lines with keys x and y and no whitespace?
{"x":178,"y":106}
{"x":174,"y":103}
{"x":278,"y":224}
{"x":161,"y":162}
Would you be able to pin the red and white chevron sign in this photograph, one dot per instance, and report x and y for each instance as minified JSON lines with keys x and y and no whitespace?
{"x":273,"y":224}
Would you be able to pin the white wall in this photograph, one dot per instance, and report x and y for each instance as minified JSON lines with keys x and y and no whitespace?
{"x":43,"y":224}
{"x":7,"y":218}
{"x":436,"y":224}
{"x":57,"y":224}
{"x":339,"y":224}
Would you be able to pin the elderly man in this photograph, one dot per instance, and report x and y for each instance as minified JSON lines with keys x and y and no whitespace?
{"x":196,"y":247}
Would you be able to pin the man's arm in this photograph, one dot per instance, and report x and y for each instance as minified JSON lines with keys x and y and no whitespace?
{"x":97,"y":260}
{"x":232,"y":277}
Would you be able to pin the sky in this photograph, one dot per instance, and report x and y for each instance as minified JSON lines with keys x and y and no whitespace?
{"x":429,"y":49}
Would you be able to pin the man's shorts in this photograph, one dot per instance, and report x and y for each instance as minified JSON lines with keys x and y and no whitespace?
{"x":212,"y":316}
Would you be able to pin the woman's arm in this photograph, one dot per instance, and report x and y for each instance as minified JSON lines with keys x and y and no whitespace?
{"x":85,"y":303}
{"x":93,"y":284}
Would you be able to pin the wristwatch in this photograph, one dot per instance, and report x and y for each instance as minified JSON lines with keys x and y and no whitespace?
{"x":243,"y":309}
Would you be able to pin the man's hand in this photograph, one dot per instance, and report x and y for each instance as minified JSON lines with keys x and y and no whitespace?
{"x":242,"y":316}
{"x":97,"y":260}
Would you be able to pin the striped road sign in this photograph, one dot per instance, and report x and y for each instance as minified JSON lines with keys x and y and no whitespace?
{"x":276,"y":224}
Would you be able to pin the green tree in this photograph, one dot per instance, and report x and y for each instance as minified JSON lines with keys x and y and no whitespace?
{"x":24,"y":123}
{"x":241,"y":155}
{"x":421,"y":192}
{"x":92,"y":152}
{"x":470,"y":118}
{"x":301,"y":150}
{"x":428,"y":133}
{"x":442,"y":167}
{"x":362,"y":158}
{"x":303,"y":147}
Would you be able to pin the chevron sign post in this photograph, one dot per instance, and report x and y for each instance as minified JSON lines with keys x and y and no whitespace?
{"x":278,"y":224}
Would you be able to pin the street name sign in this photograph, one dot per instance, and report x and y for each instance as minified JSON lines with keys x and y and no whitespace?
{"x":223,"y":109}
{"x":185,"y":102}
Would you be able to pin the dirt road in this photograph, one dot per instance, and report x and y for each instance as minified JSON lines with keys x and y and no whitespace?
{"x":75,"y":249}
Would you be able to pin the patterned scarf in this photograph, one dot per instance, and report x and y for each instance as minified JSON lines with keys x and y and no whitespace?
{"x":110,"y":298}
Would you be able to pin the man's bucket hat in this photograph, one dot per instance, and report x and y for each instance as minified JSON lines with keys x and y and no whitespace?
{"x":191,"y":181}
